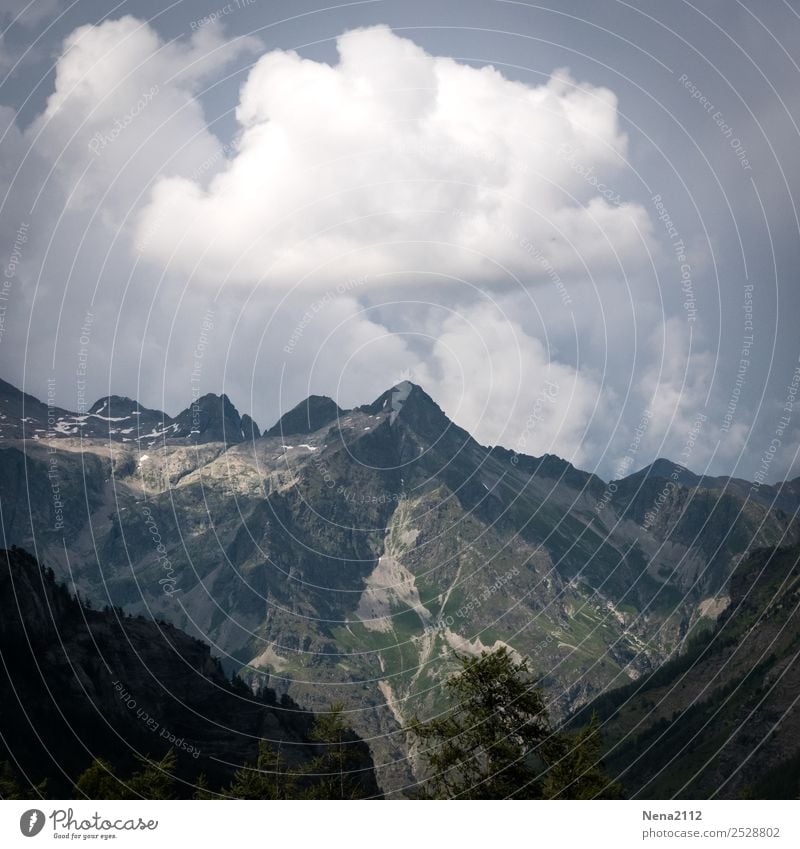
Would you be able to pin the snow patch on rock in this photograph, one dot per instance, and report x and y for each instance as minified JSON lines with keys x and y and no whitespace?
{"x":400,"y":395}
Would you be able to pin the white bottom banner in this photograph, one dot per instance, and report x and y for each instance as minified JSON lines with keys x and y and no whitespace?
{"x":403,"y":824}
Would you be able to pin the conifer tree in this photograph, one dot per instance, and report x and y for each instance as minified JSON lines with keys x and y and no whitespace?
{"x":332,"y":770}
{"x":497,"y":741}
{"x":575,"y":771}
{"x":268,"y":779}
{"x":98,"y":781}
{"x":11,"y":787}
{"x":155,"y":780}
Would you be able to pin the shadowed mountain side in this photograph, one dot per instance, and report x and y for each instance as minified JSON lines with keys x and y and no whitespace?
{"x":78,"y":684}
{"x":720,"y":719}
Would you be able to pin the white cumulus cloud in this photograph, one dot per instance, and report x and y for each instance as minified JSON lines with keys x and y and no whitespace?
{"x":124,"y":110}
{"x":393,"y":160}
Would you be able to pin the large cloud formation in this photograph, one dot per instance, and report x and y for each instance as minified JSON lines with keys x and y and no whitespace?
{"x":394,"y":160}
{"x":435,"y":220}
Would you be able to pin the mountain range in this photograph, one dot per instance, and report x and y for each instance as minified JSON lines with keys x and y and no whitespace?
{"x":345,"y":555}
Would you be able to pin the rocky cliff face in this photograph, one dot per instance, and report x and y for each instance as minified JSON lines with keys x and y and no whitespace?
{"x":348,"y":554}
{"x":721,"y":720}
{"x":78,"y":683}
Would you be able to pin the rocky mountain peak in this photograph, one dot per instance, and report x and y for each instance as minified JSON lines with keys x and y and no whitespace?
{"x":404,"y":398}
{"x":115,"y":406}
{"x":664,"y":469}
{"x":410,"y":407}
{"x":308,"y":416}
{"x":210,"y":418}
{"x":250,"y":429}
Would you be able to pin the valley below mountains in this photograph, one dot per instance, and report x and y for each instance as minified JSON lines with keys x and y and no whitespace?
{"x":347,"y":555}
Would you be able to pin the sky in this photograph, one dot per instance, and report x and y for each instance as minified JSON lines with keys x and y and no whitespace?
{"x":572,"y":223}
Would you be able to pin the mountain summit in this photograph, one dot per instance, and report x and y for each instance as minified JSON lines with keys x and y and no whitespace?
{"x":308,"y":416}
